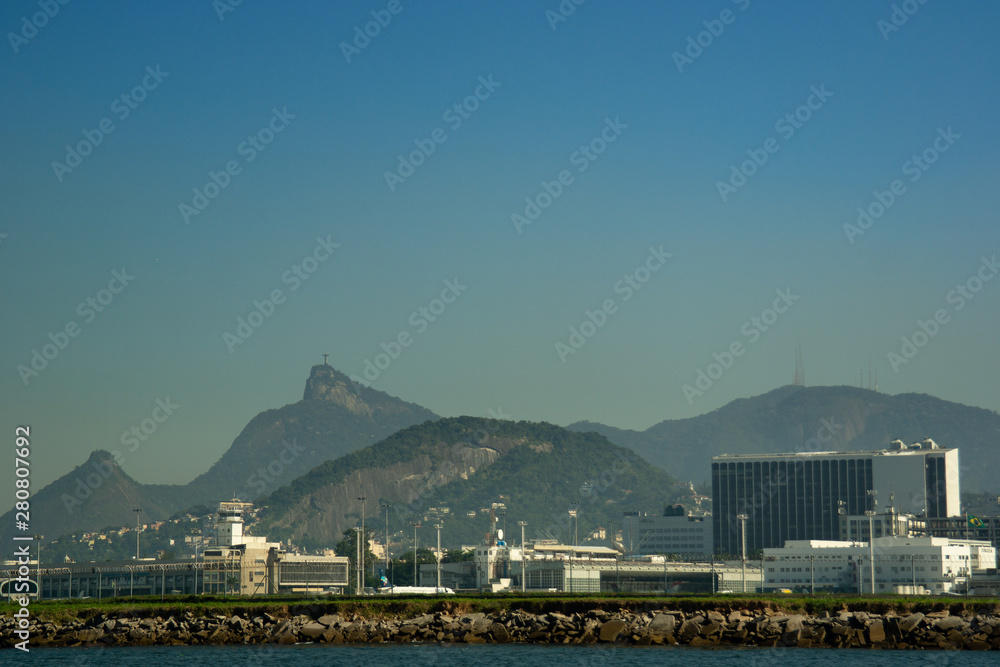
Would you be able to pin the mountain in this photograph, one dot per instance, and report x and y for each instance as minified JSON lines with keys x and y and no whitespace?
{"x":97,"y":493}
{"x":335,"y":416}
{"x":444,"y":470}
{"x":795,"y":418}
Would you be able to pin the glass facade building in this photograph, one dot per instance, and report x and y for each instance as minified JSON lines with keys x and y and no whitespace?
{"x":801,"y":496}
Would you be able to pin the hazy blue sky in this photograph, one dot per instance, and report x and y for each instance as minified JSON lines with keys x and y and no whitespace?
{"x":662,"y":122}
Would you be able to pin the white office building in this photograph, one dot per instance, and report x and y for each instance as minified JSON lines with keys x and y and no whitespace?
{"x":683,"y":534}
{"x":908,"y":565}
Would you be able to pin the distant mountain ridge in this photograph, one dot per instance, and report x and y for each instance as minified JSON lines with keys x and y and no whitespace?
{"x":796,"y":418}
{"x":335,"y":416}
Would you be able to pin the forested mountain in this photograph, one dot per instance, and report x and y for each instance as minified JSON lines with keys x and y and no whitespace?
{"x":454,"y":470}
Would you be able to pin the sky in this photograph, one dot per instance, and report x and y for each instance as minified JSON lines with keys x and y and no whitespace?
{"x":616,"y":212}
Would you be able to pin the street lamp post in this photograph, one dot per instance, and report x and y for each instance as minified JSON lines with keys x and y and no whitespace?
{"x":522,"y":524}
{"x":386,"y":506}
{"x":137,"y":511}
{"x":842,"y":511}
{"x":357,"y":560}
{"x":415,"y":524}
{"x":438,"y":525}
{"x":743,"y":548}
{"x":361,"y":559}
{"x":870,"y":513}
{"x":812,"y":577}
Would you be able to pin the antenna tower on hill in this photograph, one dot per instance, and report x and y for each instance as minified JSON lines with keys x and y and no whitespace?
{"x":800,"y":368}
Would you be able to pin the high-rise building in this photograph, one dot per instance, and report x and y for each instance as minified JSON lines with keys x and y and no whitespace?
{"x":800,"y":496}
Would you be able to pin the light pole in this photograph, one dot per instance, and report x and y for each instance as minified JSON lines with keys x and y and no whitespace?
{"x":522,"y":524}
{"x":137,"y":511}
{"x":569,"y":578}
{"x":415,"y":524}
{"x":386,"y":506}
{"x":812,"y":577}
{"x":361,"y":560}
{"x":438,"y":525}
{"x":870,"y":513}
{"x":576,"y":523}
{"x":357,"y":561}
{"x":842,"y":511}
{"x":743,"y":548}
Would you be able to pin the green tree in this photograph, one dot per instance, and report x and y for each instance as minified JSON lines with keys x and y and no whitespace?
{"x":457,"y":555}
{"x":348,"y":546}
{"x":402,"y":568}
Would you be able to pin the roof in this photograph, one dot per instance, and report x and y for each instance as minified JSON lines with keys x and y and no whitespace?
{"x":793,"y":455}
{"x":563,"y":548}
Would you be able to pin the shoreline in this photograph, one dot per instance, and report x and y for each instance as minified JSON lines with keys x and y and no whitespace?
{"x":651,"y":624}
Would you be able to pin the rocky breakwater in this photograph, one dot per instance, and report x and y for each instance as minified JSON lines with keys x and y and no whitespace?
{"x":932,"y":630}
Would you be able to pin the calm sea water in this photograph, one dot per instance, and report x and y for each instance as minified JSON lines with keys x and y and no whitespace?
{"x":490,"y":655}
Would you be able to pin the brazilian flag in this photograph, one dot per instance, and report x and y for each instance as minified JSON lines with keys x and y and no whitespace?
{"x":975,"y":521}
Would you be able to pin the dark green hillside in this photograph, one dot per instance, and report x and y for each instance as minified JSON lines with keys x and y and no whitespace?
{"x":540,"y":486}
{"x":466,"y":464}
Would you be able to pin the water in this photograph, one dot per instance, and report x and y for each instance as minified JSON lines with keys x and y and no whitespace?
{"x":491,"y":655}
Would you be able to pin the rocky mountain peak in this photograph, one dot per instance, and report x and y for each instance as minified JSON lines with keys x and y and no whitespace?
{"x":326,"y":383}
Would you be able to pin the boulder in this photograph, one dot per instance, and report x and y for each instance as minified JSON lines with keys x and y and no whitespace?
{"x":499,"y":633}
{"x":662,"y":624}
{"x":911,"y":622}
{"x":709,"y":629}
{"x":312,"y":630}
{"x":876,"y":632}
{"x":611,"y":629}
{"x":689,"y":630}
{"x":948,"y":623}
